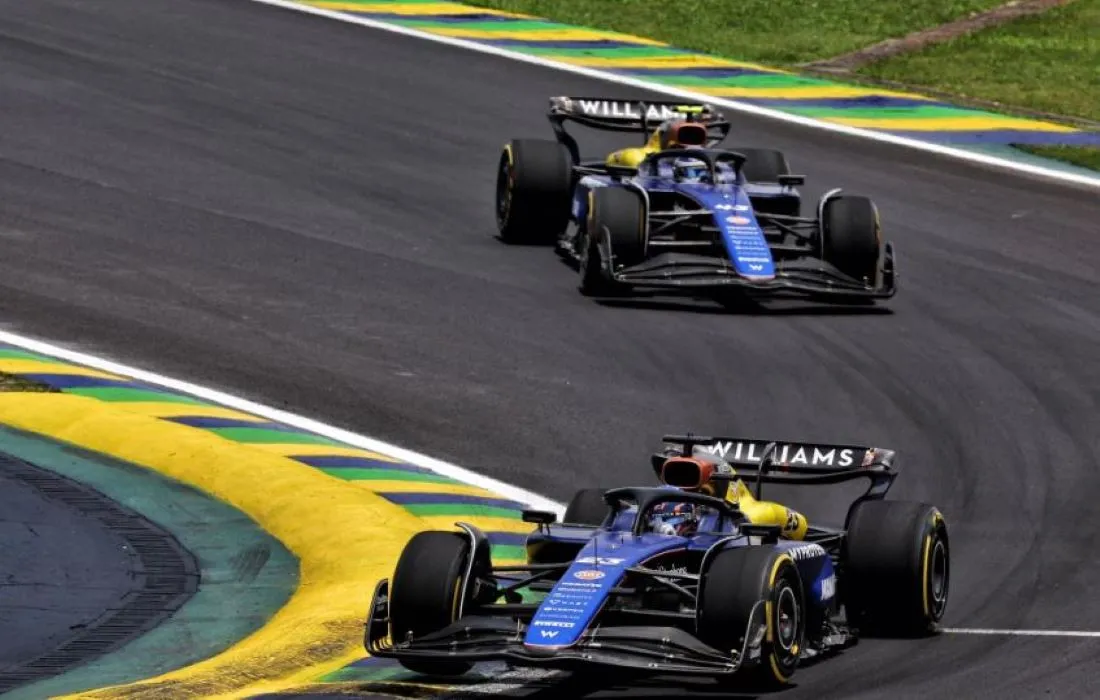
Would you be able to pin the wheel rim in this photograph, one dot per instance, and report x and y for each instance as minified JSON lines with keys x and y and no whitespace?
{"x":786,"y":619}
{"x":504,"y":191}
{"x":938,"y":577}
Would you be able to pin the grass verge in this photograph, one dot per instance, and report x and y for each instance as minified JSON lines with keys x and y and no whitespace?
{"x":1048,"y":62}
{"x":776,"y":32}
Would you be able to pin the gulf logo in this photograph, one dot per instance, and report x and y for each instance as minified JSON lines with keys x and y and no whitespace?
{"x":588,"y":574}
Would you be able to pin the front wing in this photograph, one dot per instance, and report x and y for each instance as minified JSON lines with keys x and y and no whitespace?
{"x":799,"y":278}
{"x":659,"y":650}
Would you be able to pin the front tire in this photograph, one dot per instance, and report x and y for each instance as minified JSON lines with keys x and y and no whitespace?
{"x":897,"y":563}
{"x":425,"y":593}
{"x":730,"y":588}
{"x":617,"y":219}
{"x":851,"y":239}
{"x":534,"y":185}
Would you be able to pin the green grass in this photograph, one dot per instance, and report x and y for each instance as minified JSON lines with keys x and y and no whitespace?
{"x":776,"y":32}
{"x":1049,"y":62}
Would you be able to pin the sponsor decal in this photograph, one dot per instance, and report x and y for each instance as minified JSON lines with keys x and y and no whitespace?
{"x":731,"y":207}
{"x":576,"y":609}
{"x":755,"y":260}
{"x":756,"y":267}
{"x":553,"y":623}
{"x":828,"y":587}
{"x":588,"y":574}
{"x":600,"y":561}
{"x":806,"y":551}
{"x":739,"y":220}
{"x":617,"y":109}
{"x":548,"y":634}
{"x":785,"y":454}
{"x":588,"y":587}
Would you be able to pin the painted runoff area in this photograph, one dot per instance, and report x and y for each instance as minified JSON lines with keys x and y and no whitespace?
{"x":351,"y":13}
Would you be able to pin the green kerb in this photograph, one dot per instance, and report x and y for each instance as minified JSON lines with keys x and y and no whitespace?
{"x":123,"y":394}
{"x":464,"y":509}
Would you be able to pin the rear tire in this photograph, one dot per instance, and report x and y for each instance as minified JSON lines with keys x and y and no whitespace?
{"x":587,"y":507}
{"x":616,"y":216}
{"x":534,"y":185}
{"x":424,"y":593}
{"x":731,"y":586}
{"x":851,"y":239}
{"x":763,"y":165}
{"x":897,"y":563}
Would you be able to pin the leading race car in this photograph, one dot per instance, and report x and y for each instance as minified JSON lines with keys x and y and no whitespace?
{"x":695,"y":576}
{"x":680,"y":215}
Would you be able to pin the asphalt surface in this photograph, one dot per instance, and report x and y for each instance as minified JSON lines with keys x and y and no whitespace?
{"x":300,"y":211}
{"x":61,"y":570}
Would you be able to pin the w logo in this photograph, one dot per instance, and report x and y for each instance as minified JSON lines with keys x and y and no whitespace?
{"x":548,"y":634}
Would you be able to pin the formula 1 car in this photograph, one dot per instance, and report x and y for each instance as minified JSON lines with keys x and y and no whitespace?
{"x":680,"y":215}
{"x":728,"y":599}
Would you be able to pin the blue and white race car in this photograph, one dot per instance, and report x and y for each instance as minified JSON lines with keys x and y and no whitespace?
{"x":696,"y":576}
{"x":679,"y":215}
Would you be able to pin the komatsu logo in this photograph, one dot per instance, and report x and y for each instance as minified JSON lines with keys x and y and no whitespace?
{"x":625,"y":110}
{"x":785,"y":454}
{"x":806,"y":551}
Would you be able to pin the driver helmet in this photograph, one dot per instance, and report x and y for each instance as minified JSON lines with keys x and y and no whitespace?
{"x":689,"y":169}
{"x":680,"y":519}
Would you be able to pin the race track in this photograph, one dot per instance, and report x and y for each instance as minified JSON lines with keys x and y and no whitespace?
{"x":300,"y":211}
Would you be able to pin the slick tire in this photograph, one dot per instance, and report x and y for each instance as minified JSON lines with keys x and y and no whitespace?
{"x":587,"y":507}
{"x":533,"y":191}
{"x":424,"y":593}
{"x":763,"y":165}
{"x":734,"y":581}
{"x":617,"y":220}
{"x":897,"y":569}
{"x":850,"y":236}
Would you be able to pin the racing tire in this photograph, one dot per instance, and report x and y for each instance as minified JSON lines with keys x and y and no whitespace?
{"x":763,"y":164}
{"x":617,"y":218}
{"x":896,"y":569}
{"x":533,"y":191}
{"x":850,"y":236}
{"x":587,"y":507}
{"x":734,"y":581}
{"x":424,"y":593}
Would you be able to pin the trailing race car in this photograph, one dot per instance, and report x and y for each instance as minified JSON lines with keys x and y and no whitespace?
{"x":678,"y":578}
{"x":680,"y":215}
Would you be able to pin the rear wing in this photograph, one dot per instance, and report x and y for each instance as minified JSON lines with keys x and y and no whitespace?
{"x":782,"y":462}
{"x":630,"y":116}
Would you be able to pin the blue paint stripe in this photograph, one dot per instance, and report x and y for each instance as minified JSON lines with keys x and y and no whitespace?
{"x":1004,"y":137}
{"x":210,"y":423}
{"x":74,"y":381}
{"x":426,"y":499}
{"x":344,"y":462}
{"x":593,"y":45}
{"x":843,"y":102}
{"x":397,"y":18}
{"x":713,"y":73}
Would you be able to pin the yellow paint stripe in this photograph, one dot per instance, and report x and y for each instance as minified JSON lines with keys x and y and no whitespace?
{"x":169,"y":409}
{"x":802,"y":93}
{"x":540,"y":35}
{"x":16,"y":366}
{"x":296,"y":450}
{"x":345,"y":539}
{"x":423,"y":487}
{"x":975,"y":123}
{"x":689,"y":61}
{"x":415,"y":9}
{"x":447,"y":522}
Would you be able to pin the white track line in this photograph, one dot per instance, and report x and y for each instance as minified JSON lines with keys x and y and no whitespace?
{"x":959,"y":154}
{"x":446,"y":469}
{"x":1021,"y":633}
